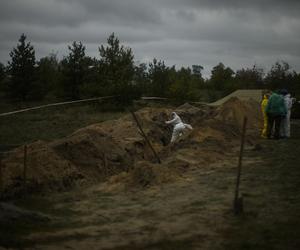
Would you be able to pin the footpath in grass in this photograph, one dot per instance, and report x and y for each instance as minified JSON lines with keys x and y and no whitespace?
{"x":271,"y":193}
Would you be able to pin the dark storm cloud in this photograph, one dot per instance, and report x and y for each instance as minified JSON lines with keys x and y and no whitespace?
{"x":73,"y":13}
{"x":238,"y":33}
{"x":265,"y":6}
{"x":44,"y":13}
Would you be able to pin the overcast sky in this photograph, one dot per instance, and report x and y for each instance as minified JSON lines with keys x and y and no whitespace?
{"x":180,"y":32}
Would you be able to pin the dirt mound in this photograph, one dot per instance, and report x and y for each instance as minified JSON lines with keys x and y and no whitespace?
{"x":242,"y":94}
{"x":43,"y":167}
{"x":234,"y":110}
{"x":116,"y":148}
{"x":146,"y":174}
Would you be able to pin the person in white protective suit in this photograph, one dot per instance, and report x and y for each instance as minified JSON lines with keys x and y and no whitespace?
{"x":179,"y":126}
{"x":285,"y":130}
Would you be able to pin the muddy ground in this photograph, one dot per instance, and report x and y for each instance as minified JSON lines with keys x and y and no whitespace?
{"x":192,"y":213}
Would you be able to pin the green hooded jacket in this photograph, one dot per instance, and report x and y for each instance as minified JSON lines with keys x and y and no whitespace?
{"x":276,"y":105}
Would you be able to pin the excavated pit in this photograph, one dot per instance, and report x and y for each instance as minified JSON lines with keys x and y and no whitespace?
{"x":115,"y":151}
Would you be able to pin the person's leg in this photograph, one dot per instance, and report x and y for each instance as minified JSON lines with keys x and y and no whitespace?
{"x":283,"y":127}
{"x":288,"y":124}
{"x":174,"y":135}
{"x":176,"y":132}
{"x":277,"y":121}
{"x":188,"y":126}
{"x":265,"y":128}
{"x":270,"y":125}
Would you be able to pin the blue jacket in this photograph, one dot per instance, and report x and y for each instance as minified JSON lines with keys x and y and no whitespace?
{"x":276,"y":105}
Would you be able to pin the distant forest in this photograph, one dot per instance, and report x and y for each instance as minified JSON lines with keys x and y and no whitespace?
{"x":76,"y":76}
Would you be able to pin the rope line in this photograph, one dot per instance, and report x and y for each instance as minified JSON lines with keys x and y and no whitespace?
{"x":55,"y":104}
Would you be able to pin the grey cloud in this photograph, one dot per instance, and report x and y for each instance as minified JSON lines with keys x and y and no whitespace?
{"x":51,"y":13}
{"x":257,"y":5}
{"x":44,"y":13}
{"x":238,"y":33}
{"x":133,"y":12}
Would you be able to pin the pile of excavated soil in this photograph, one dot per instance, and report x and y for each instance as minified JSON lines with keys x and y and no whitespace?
{"x":242,"y":94}
{"x":116,"y":151}
{"x":234,"y":110}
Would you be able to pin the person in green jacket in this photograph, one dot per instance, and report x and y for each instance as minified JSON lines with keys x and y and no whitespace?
{"x":276,"y":110}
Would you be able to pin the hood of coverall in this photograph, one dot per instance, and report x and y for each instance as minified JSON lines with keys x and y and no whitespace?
{"x":283,"y":92}
{"x":176,"y":119}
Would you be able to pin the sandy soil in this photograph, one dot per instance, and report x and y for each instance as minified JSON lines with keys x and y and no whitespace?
{"x":121,"y":198}
{"x":184,"y":203}
{"x":190,"y":213}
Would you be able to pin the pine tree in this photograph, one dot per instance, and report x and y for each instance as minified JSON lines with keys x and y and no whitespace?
{"x":221,"y":76}
{"x":159,"y":78}
{"x":21,"y":69}
{"x":47,"y":76}
{"x":2,"y":72}
{"x":279,"y":76}
{"x":2,"y":77}
{"x":74,"y":68}
{"x":117,"y":69}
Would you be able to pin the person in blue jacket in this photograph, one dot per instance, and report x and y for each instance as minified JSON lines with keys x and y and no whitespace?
{"x":276,"y":110}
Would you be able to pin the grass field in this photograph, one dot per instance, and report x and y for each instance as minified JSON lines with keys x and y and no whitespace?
{"x":56,"y":122}
{"x":50,"y":123}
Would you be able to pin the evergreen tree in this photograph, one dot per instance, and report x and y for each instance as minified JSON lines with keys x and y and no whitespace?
{"x":186,"y":84}
{"x":2,"y":72}
{"x":47,"y":75}
{"x":278,"y":76}
{"x":159,"y":78}
{"x":91,"y":86}
{"x":117,"y":69}
{"x":249,"y":78}
{"x":2,"y":77}
{"x":180,"y":87}
{"x":21,"y":69}
{"x":141,"y":79}
{"x":197,"y":70}
{"x":74,"y":68}
{"x":220,"y":76}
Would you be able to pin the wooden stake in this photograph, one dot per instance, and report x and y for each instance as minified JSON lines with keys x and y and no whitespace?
{"x":238,"y":202}
{"x":25,"y":165}
{"x":1,"y":177}
{"x":144,"y":135}
{"x":105,"y":164}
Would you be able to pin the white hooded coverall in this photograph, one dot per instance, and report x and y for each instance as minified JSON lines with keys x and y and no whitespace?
{"x":285,"y":124}
{"x":179,"y":126}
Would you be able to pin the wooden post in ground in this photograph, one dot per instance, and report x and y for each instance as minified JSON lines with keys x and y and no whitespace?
{"x":1,"y":177}
{"x":25,"y":165}
{"x":238,"y":201}
{"x":144,"y":135}
{"x":105,"y":165}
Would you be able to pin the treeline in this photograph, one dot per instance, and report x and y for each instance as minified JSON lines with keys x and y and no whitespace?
{"x":116,"y":73}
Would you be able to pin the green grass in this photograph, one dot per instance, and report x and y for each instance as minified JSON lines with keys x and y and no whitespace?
{"x":51,"y":123}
